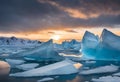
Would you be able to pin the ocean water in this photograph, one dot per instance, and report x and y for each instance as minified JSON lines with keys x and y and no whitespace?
{"x":65,"y":78}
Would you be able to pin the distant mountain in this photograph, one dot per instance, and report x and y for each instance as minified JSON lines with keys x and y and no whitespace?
{"x":13,"y":41}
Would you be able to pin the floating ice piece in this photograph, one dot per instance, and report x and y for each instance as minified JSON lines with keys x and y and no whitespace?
{"x":103,"y":69}
{"x":107,"y":79}
{"x":74,"y":57}
{"x":4,"y":68}
{"x":45,"y":52}
{"x":14,"y":62}
{"x":27,"y":66}
{"x":90,"y":62}
{"x":117,"y":74}
{"x":59,"y":68}
{"x":46,"y":79}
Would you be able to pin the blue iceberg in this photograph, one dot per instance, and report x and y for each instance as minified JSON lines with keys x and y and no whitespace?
{"x":44,"y":52}
{"x":104,"y":48}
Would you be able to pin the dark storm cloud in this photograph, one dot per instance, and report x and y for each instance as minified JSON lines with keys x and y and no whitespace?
{"x":16,"y":15}
{"x":30,"y":15}
{"x":72,"y":31}
{"x":89,"y":7}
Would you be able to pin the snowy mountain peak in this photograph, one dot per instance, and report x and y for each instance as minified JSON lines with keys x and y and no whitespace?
{"x":13,"y":41}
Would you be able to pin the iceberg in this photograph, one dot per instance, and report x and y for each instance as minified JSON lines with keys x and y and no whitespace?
{"x":4,"y":68}
{"x":89,"y":44}
{"x":104,"y":48}
{"x":110,"y":40}
{"x":45,"y":52}
{"x":27,"y":66}
{"x":59,"y":68}
{"x":66,"y":45}
{"x":73,"y":44}
{"x":103,"y":69}
{"x":109,"y":48}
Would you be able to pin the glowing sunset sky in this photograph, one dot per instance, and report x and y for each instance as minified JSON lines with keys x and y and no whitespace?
{"x":58,"y":19}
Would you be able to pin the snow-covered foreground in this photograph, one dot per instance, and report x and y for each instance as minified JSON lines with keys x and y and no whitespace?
{"x":59,"y":68}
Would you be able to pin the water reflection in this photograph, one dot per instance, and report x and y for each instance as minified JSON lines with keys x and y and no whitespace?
{"x":76,"y":79}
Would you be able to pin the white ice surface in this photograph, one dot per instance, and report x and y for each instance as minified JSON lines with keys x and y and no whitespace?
{"x":27,"y":66}
{"x":103,"y":69}
{"x":107,"y":79}
{"x":14,"y":62}
{"x":45,"y":79}
{"x":117,"y":74}
{"x":59,"y":68}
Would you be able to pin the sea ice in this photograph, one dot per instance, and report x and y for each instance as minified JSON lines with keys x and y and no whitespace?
{"x":45,"y":52}
{"x":45,"y":79}
{"x":59,"y":68}
{"x":107,"y":79}
{"x":117,"y":74}
{"x":14,"y":62}
{"x":103,"y":69}
{"x":27,"y":66}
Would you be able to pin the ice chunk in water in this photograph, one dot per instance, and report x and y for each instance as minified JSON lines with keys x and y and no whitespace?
{"x":45,"y":52}
{"x":14,"y":62}
{"x":107,"y":79}
{"x":59,"y":68}
{"x":103,"y":69}
{"x":45,"y":79}
{"x":27,"y":66}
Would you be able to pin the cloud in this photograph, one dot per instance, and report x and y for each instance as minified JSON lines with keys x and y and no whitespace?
{"x":72,"y":31}
{"x":88,"y":8}
{"x":36,"y":15}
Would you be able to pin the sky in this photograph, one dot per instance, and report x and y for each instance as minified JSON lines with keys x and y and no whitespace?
{"x":58,"y":19}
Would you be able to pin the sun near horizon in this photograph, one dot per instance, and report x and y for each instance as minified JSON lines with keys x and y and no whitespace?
{"x":59,"y":35}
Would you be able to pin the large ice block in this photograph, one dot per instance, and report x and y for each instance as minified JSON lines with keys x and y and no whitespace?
{"x":59,"y":68}
{"x":104,"y":48}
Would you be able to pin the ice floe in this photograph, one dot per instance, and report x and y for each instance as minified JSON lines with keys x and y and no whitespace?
{"x":27,"y":66}
{"x":103,"y":69}
{"x":59,"y":68}
{"x":45,"y":79}
{"x":107,"y":79}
